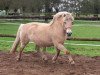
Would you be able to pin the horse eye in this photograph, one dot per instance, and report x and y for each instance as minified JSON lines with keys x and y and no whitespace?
{"x":64,"y":22}
{"x":72,"y":23}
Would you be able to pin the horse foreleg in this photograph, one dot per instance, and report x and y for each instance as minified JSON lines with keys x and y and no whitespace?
{"x":56,"y":56}
{"x":62,"y":48}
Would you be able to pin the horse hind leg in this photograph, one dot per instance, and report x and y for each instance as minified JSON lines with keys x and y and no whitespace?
{"x":56,"y":56}
{"x":15,"y":45}
{"x":37,"y":48}
{"x":44,"y":57}
{"x":22,"y":46}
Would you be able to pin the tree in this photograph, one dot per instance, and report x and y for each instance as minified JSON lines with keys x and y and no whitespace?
{"x":90,"y":7}
{"x":48,"y":4}
{"x":87,"y":7}
{"x":5,"y":5}
{"x":96,"y":7}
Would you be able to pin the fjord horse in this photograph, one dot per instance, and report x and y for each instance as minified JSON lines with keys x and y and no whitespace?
{"x":46,"y":34}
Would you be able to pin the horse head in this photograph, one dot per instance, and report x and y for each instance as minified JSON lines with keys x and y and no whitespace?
{"x":65,"y":19}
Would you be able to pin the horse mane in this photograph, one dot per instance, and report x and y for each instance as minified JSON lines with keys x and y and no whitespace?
{"x":59,"y":14}
{"x":52,"y":21}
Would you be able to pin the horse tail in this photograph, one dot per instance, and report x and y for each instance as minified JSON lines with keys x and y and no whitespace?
{"x":17,"y":40}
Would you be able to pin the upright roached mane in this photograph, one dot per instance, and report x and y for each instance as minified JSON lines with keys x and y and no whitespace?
{"x":46,"y":35}
{"x":58,"y":14}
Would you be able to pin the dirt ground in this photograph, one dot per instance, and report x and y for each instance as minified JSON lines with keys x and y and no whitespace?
{"x":32,"y":64}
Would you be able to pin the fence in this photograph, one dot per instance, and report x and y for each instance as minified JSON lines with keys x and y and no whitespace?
{"x":69,"y":38}
{"x":45,"y":17}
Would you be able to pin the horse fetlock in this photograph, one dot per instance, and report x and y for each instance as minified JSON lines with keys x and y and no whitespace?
{"x":12,"y":51}
{"x":18,"y":58}
{"x":54,"y":58}
{"x":66,"y":52}
{"x":72,"y":62}
{"x":53,"y":61}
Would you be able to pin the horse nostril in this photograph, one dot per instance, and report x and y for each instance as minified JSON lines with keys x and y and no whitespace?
{"x":69,"y":34}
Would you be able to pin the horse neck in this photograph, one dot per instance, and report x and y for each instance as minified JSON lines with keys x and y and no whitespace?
{"x":57,"y":27}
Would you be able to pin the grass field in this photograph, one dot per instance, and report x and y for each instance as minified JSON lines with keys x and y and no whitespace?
{"x":90,"y":29}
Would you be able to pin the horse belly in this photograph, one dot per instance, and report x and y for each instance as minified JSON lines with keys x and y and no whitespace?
{"x":42,"y":41}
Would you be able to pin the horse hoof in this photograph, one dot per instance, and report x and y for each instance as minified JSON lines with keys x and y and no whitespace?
{"x":18,"y":59}
{"x":72,"y":63}
{"x":44,"y":58}
{"x":12,"y":52}
{"x":53,"y":62}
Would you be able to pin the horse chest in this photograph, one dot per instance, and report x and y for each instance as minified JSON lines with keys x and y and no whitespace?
{"x":59,"y":37}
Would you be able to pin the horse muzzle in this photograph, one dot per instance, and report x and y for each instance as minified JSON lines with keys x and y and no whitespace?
{"x":69,"y":34}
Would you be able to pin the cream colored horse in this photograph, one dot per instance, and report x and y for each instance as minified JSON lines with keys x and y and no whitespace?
{"x":46,"y":35}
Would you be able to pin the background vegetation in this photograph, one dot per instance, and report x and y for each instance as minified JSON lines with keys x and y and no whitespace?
{"x":78,"y":7}
{"x":81,"y":28}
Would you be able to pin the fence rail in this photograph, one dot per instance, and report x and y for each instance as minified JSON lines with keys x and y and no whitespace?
{"x":8,"y":35}
{"x":69,"y":38}
{"x":45,"y":17}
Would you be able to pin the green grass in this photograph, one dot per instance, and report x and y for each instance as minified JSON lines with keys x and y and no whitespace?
{"x":85,"y":22}
{"x":81,"y":50}
{"x":86,"y":31}
{"x":84,"y":50}
{"x":89,"y":29}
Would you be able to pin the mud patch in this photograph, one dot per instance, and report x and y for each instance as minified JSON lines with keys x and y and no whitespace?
{"x":32,"y":64}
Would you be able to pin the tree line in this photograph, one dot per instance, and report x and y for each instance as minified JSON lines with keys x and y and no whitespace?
{"x":48,"y":6}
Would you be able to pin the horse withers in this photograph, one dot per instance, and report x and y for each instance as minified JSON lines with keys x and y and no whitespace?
{"x":46,"y":34}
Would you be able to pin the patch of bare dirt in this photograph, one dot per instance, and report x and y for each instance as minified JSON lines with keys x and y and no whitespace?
{"x":32,"y":64}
